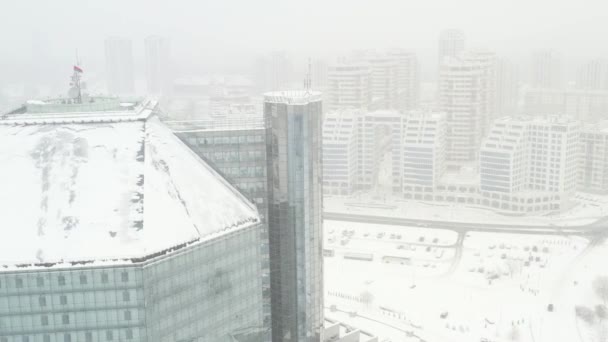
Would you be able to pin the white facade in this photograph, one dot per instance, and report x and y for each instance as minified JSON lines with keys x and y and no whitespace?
{"x":587,"y":105}
{"x":408,"y":79}
{"x":424,"y":136}
{"x":340,"y":151}
{"x":348,"y":86}
{"x":157,"y":64}
{"x":530,"y":165}
{"x":451,"y":44}
{"x":593,"y":167}
{"x":546,"y":69}
{"x":119,"y":66}
{"x":466,"y":95}
{"x":593,"y":75}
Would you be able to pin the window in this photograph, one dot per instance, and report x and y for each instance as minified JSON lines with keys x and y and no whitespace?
{"x":65,"y":319}
{"x":61,"y":280}
{"x":46,"y":338}
{"x":83,"y":279}
{"x":67,"y":338}
{"x":129,"y":334}
{"x":88,"y":336}
{"x":124,"y":277}
{"x":25,"y":339}
{"x":42,"y":301}
{"x":44,"y":320}
{"x":104,"y":278}
{"x":126,"y":296}
{"x":40,"y":281}
{"x":19,"y":283}
{"x":109,"y":335}
{"x":63,"y":300}
{"x":127,"y":315}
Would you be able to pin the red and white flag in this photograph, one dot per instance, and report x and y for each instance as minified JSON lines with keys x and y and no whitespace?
{"x":77,"y":68}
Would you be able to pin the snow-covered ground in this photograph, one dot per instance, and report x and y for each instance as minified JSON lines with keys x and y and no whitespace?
{"x":483,"y":286}
{"x":590,"y":208}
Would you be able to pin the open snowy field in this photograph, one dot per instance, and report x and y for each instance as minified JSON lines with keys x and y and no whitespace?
{"x":476,"y":287}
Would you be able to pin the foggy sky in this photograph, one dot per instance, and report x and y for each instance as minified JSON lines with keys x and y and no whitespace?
{"x":229,"y":32}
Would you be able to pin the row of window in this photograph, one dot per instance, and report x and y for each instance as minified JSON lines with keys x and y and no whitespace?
{"x":20,"y":282}
{"x":109,"y":335}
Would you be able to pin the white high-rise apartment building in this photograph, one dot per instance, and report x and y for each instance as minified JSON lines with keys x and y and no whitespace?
{"x":384,"y":81}
{"x":593,"y":167}
{"x":546,"y":69}
{"x":408,"y":79}
{"x":467,"y":96}
{"x":158,"y":50}
{"x":530,"y":164}
{"x":593,"y":75}
{"x":424,"y":138}
{"x":451,"y":44}
{"x":119,"y":66}
{"x":588,"y":105}
{"x":507,"y":88}
{"x":348,"y":86}
{"x":379,"y":138}
{"x":340,"y":156}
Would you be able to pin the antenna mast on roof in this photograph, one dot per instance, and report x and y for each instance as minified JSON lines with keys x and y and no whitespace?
{"x":308,"y":79}
{"x":76,"y":79}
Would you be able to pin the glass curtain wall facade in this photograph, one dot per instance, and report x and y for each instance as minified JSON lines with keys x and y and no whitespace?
{"x":239,"y":154}
{"x":294,"y":214}
{"x":198,"y":293}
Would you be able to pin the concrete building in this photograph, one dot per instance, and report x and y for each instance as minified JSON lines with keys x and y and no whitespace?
{"x":593,"y":75}
{"x":273,"y":71}
{"x":408,"y":79}
{"x":348,"y":86}
{"x":593,"y":168}
{"x":340,"y":153}
{"x":119,"y":66}
{"x":294,"y":214}
{"x":379,"y":139}
{"x":119,"y":232}
{"x":546,"y":69}
{"x":424,"y":139}
{"x":587,"y":105}
{"x":451,"y":44}
{"x":384,"y":81}
{"x":158,"y":50}
{"x":507,"y":88}
{"x":466,"y":94}
{"x":530,"y":164}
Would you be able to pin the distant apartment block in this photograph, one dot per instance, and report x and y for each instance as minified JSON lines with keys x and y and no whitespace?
{"x":119,"y":66}
{"x":546,"y":69}
{"x":587,"y":105}
{"x":593,"y":168}
{"x":530,"y":165}
{"x":348,"y":86}
{"x":451,"y":44}
{"x":466,"y":95}
{"x":340,"y":162}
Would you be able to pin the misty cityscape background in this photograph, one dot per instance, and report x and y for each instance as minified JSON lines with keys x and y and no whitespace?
{"x":318,"y":171}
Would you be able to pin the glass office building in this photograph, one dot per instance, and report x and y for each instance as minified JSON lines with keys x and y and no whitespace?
{"x":118,"y":232}
{"x":294,"y":214}
{"x":236,"y":148}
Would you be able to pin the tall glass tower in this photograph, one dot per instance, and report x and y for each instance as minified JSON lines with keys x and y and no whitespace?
{"x":295,"y":199}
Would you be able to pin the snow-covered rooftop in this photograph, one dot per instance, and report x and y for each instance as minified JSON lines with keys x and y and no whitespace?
{"x":105,"y":186}
{"x":295,"y":97}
